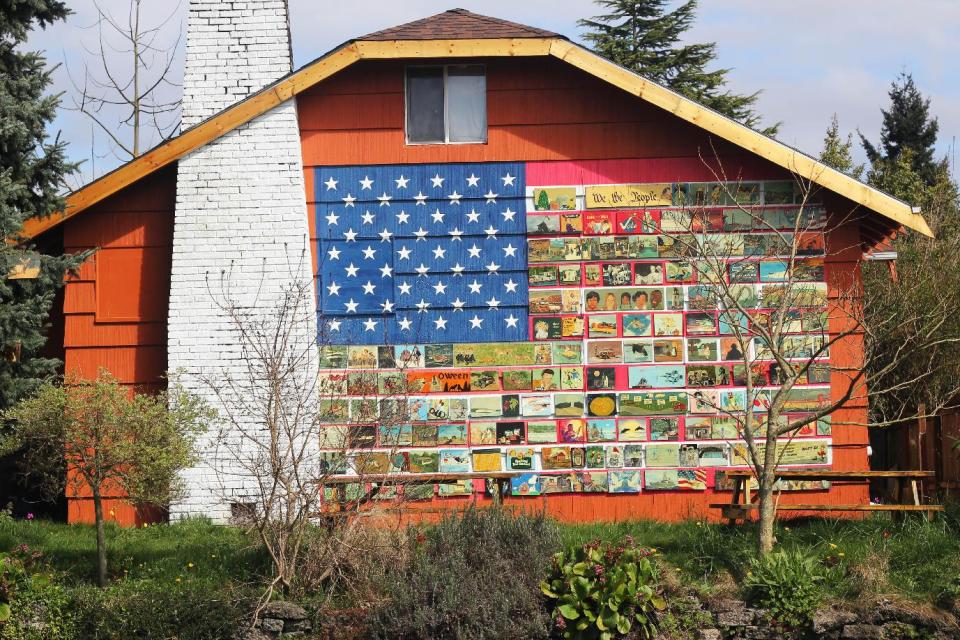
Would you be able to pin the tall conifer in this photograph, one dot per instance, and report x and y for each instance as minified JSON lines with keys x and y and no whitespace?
{"x":642,"y":35}
{"x":907,"y":127}
{"x":32,"y":169}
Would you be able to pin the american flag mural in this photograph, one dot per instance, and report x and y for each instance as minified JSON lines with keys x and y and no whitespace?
{"x":529,"y":318}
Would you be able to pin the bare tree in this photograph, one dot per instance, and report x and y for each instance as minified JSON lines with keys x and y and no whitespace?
{"x":287,"y":454}
{"x":787,"y":332}
{"x":128,"y":91}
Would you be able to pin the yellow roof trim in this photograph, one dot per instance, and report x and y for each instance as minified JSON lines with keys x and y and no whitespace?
{"x":352,"y":52}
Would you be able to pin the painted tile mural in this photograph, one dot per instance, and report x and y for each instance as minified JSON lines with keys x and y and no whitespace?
{"x":475,"y":321}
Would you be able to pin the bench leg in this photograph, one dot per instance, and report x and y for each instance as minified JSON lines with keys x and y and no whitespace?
{"x":735,"y":499}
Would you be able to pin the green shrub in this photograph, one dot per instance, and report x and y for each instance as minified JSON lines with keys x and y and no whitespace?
{"x":601,"y":591}
{"x":32,"y":604}
{"x":474,"y":575}
{"x":785,"y":584}
{"x":147,"y":609}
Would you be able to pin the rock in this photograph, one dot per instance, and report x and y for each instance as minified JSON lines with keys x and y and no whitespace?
{"x":862,"y":632}
{"x":251,"y":634}
{"x":709,"y":634}
{"x":283,"y":611}
{"x":297,"y":625}
{"x":272,"y":625}
{"x":725,"y":604}
{"x":741,"y":617}
{"x":826,"y":620}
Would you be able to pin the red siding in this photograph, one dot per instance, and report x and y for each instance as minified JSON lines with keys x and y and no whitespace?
{"x":115,"y":308}
{"x":542,"y":110}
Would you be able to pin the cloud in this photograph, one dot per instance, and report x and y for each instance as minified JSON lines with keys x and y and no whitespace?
{"x":811,"y":59}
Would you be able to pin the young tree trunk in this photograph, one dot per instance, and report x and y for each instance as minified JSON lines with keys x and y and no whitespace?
{"x":768,"y":512}
{"x":101,"y":538}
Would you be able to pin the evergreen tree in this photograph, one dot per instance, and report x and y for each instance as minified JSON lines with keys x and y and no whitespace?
{"x":643,"y":36}
{"x":837,"y":151}
{"x":32,"y":169}
{"x":907,"y":126}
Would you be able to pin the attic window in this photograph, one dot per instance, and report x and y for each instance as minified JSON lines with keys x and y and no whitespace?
{"x":446,"y":104}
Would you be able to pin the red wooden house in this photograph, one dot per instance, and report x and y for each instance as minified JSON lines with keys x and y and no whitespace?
{"x":452,"y":94}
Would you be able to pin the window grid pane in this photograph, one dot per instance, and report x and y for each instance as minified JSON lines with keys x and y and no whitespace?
{"x":466,"y":104}
{"x":425,"y":104}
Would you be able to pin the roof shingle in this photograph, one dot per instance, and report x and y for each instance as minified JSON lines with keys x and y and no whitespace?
{"x":458,"y":24}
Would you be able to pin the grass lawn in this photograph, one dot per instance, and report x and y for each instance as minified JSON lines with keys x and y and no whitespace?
{"x":913,"y":558}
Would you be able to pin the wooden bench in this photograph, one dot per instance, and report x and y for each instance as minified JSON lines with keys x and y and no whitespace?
{"x":741,"y":510}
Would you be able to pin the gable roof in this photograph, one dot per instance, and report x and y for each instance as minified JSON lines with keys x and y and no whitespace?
{"x":442,"y":36}
{"x":459,"y":24}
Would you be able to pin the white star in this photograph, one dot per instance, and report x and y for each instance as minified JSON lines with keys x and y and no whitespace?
{"x":422,"y":269}
{"x":351,"y":271}
{"x":492,"y":267}
{"x":367,"y":218}
{"x":334,"y":325}
{"x":457,"y":269}
{"x":385,"y":236}
{"x":420,"y":198}
{"x":475,"y":322}
{"x":369,"y":253}
{"x":350,"y":235}
{"x":490,"y":231}
{"x":510,"y":251}
{"x":366,"y":183}
{"x":369,"y":324}
{"x":475,"y":286}
{"x":332,"y":218}
{"x":405,"y":289}
{"x":422,"y":306}
{"x":437,"y":180}
{"x":387,"y":306}
{"x":404,"y":253}
{"x":458,"y":304}
{"x":511,"y":321}
{"x":349,"y":200}
{"x":402,"y":217}
{"x":456,"y":233}
{"x":333,"y":288}
{"x":405,"y":324}
{"x":386,"y":271}
{"x":472,"y":180}
{"x":508,"y":214}
{"x":402,"y":182}
{"x":384,"y":199}
{"x":369,"y":288}
{"x":454,"y":197}
{"x":331,"y":184}
{"x":474,"y":251}
{"x":352,"y":306}
{"x":334,"y":253}
{"x":439,"y":252}
{"x":510,"y":286}
{"x":437,"y":216}
{"x":440,"y":288}
{"x":440,"y":323}
{"x":473,"y":216}
{"x":421,"y":234}
{"x":493,"y":302}
{"x":508,"y":180}
{"x":490,"y":196}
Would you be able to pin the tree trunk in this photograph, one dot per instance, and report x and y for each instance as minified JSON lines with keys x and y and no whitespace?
{"x":768,"y":511}
{"x":768,"y":515}
{"x":101,"y":539}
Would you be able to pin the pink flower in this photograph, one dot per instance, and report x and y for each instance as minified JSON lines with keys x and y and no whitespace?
{"x":29,"y":516}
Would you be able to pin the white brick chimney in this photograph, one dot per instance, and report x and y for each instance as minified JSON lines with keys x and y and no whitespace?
{"x":241,"y":210}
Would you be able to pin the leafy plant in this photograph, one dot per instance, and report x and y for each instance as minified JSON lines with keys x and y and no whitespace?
{"x":602,"y":591}
{"x":473,"y":576}
{"x":786,"y":584}
{"x":32,"y":604}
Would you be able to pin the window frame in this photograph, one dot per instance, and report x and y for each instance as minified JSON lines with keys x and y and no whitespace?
{"x":446,"y":105}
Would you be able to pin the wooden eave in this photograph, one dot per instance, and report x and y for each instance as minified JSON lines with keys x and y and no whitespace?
{"x":573,"y":54}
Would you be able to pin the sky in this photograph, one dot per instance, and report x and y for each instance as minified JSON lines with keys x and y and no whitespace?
{"x":810,"y":59}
